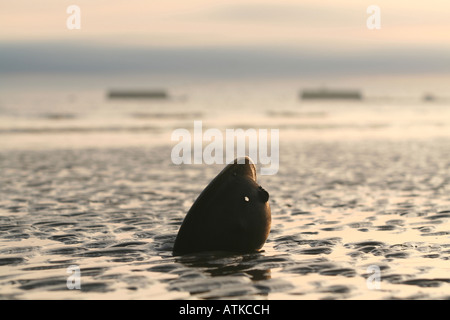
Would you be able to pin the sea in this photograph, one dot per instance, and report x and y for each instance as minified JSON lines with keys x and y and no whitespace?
{"x":91,"y":199}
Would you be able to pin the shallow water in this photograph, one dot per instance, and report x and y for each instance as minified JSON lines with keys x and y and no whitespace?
{"x":89,"y":182}
{"x":337,"y":209}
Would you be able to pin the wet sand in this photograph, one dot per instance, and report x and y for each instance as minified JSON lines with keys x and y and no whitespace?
{"x":337,"y":208}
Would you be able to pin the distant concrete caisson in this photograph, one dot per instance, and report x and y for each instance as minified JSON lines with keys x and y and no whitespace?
{"x":231,"y":214}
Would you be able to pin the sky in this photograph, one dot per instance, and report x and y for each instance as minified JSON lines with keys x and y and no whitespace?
{"x":225,"y":38}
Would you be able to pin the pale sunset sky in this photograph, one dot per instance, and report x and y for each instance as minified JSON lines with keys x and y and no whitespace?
{"x":414,"y":35}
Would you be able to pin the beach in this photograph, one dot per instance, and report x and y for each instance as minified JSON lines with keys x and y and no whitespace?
{"x":361,"y":186}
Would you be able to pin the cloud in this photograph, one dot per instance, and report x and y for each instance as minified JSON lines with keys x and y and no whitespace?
{"x":309,"y":14}
{"x":215,"y":62}
{"x":331,"y":24}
